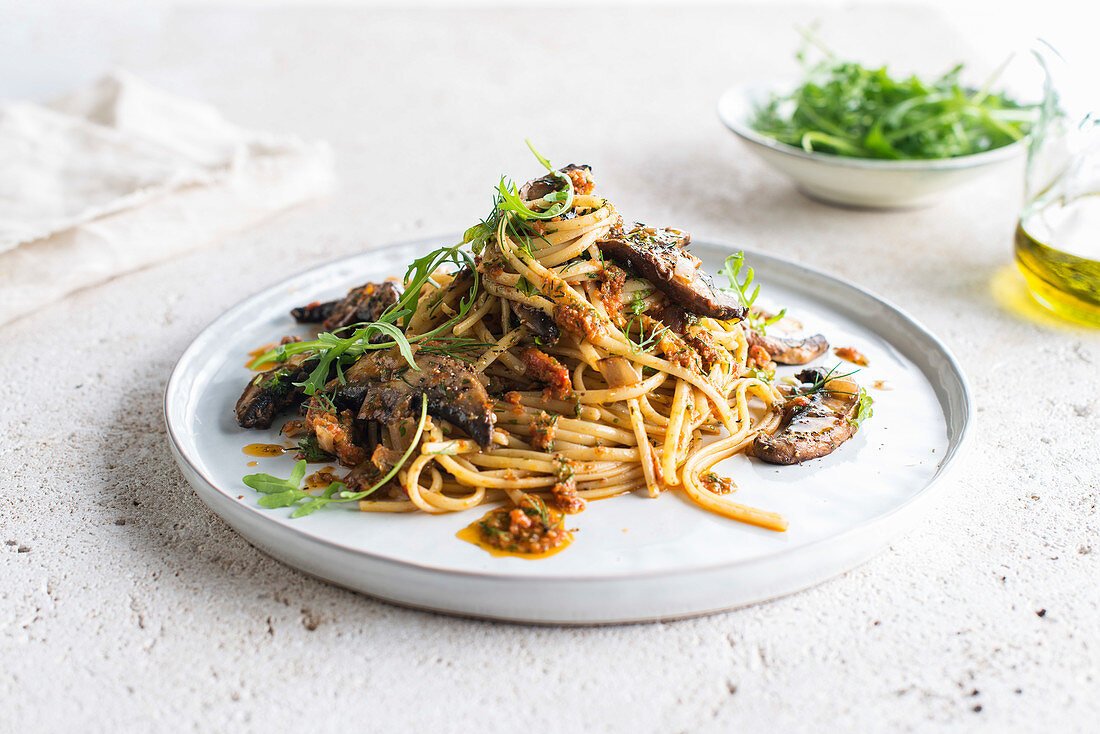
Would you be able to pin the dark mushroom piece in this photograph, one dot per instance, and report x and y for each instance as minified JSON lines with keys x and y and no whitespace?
{"x":538,"y":322}
{"x":270,"y":393}
{"x":382,"y":387}
{"x":363,"y":304}
{"x":660,"y":255}
{"x":789,"y":350}
{"x":812,"y":425}
{"x":548,"y":184}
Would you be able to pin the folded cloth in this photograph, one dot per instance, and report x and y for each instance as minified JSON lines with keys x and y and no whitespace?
{"x":121,"y":175}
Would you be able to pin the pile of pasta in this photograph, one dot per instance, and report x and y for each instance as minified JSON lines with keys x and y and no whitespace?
{"x":635,"y":419}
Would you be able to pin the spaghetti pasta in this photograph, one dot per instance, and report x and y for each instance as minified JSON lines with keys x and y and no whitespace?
{"x":598,"y":383}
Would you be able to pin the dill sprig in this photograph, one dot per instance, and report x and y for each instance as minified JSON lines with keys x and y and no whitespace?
{"x":644,"y":343}
{"x":455,"y":346}
{"x":821,"y":379}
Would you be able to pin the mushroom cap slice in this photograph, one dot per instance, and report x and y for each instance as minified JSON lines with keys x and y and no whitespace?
{"x":812,"y":425}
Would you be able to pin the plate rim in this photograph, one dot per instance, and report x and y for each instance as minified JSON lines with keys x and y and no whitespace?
{"x":955,"y":448}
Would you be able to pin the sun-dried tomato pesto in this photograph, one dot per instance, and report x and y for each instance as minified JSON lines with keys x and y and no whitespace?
{"x":565,"y":491}
{"x":716,"y":483}
{"x":851,"y":354}
{"x":543,"y":368}
{"x":530,"y":527}
{"x":543,"y":428}
{"x":581,"y":321}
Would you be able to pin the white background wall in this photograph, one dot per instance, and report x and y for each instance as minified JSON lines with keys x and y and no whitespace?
{"x":49,"y":46}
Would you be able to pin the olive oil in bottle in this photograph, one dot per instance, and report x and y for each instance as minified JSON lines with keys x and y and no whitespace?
{"x":1058,"y":251}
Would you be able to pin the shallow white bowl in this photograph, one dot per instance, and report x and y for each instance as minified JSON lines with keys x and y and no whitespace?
{"x":863,"y":182}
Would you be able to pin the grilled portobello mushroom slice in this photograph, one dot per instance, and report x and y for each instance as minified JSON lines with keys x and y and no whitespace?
{"x":270,"y":393}
{"x":538,"y":322}
{"x":812,"y":425}
{"x":365,"y":303}
{"x":789,"y":350}
{"x":382,"y":387}
{"x":548,"y":184}
{"x":660,"y":255}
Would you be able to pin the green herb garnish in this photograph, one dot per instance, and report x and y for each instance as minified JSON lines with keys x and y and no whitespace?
{"x":335,"y":351}
{"x":846,"y":109}
{"x":822,"y":379}
{"x":287,"y":492}
{"x":311,"y":451}
{"x":759,"y":322}
{"x":508,"y":206}
{"x":270,"y":485}
{"x":738,"y":286}
{"x":864,"y":411}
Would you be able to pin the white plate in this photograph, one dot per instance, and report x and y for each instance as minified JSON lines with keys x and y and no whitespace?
{"x":634,"y":558}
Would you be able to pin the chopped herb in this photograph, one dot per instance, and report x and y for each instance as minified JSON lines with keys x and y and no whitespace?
{"x":311,"y":451}
{"x":526,"y":288}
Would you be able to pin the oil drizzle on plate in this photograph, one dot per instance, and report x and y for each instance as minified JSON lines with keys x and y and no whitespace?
{"x":472,"y":534}
{"x":322,"y":478}
{"x":256,"y":354}
{"x":853,"y":355}
{"x":264,"y":450}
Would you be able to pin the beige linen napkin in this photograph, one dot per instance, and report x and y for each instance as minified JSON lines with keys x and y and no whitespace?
{"x":121,"y":175}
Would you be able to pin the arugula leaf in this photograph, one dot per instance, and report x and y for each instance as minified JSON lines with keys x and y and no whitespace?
{"x":760,"y":323}
{"x":316,"y":503}
{"x":847,"y":109}
{"x":732,"y":270}
{"x":864,"y":411}
{"x":268,"y":484}
{"x":283,"y":499}
{"x":333,"y":352}
{"x":545,"y":163}
{"x":287,"y":492}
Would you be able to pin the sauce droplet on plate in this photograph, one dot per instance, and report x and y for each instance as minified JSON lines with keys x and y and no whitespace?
{"x":264,"y":450}
{"x":256,"y":354}
{"x":321,"y":478}
{"x":473,"y":533}
{"x":853,"y":355}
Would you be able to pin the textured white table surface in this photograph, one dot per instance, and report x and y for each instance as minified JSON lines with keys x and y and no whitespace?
{"x":126,"y":605}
